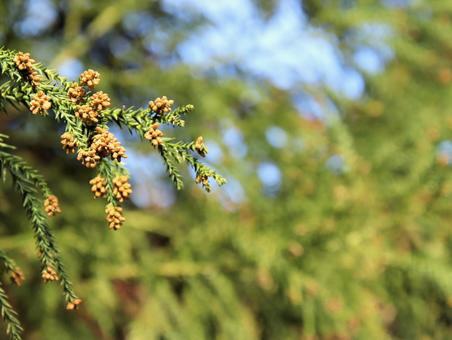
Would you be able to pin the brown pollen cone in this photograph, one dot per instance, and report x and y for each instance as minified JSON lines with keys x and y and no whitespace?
{"x":49,"y":274}
{"x":161,"y":105}
{"x":76,"y":93}
{"x":25,"y":63}
{"x":122,"y":188}
{"x":88,"y":158}
{"x":73,"y":304}
{"x":51,"y":205}
{"x":17,"y":276}
{"x":98,"y":186}
{"x":200,"y":146}
{"x":40,"y":104}
{"x":204,"y":180}
{"x":105,"y":144}
{"x":87,"y":114}
{"x":154,"y":135}
{"x":68,"y":142}
{"x":115,"y":218}
{"x":100,"y":100}
{"x":90,"y":78}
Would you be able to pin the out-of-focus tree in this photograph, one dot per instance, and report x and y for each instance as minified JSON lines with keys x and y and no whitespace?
{"x":335,"y":222}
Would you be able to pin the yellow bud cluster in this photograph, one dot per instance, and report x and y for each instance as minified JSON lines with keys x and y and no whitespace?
{"x":40,"y":104}
{"x":204,"y":180}
{"x":90,"y":110}
{"x":200,"y":147}
{"x":87,"y":114}
{"x":90,"y":78}
{"x":100,"y":100}
{"x":26,"y":64}
{"x":73,"y":304}
{"x":122,"y":188}
{"x":17,"y":276}
{"x":114,"y":217}
{"x":49,"y":274}
{"x":88,"y":158}
{"x":105,"y":144}
{"x":23,"y":61}
{"x":76,"y":93}
{"x":68,"y":142}
{"x":51,"y":205}
{"x":154,"y":135}
{"x":98,"y":186}
{"x":161,"y":105}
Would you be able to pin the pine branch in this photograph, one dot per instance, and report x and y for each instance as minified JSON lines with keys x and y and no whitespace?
{"x":13,"y":326}
{"x":9,"y":263}
{"x":86,"y":115}
{"x":26,"y":182}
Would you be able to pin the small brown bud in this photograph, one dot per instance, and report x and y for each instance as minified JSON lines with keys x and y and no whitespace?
{"x":114,"y":217}
{"x":90,"y":78}
{"x":204,"y":180}
{"x":34,"y":77}
{"x":200,"y":147}
{"x":154,"y":135}
{"x":51,"y":205}
{"x":76,"y":93}
{"x":73,"y":304}
{"x":87,"y":114}
{"x":161,"y":105}
{"x":68,"y":142}
{"x":100,"y":101}
{"x":105,"y":144}
{"x":49,"y":274}
{"x":40,"y":103}
{"x":25,"y":63}
{"x":88,"y":158}
{"x":98,"y":186}
{"x":122,"y":188}
{"x":17,"y":276}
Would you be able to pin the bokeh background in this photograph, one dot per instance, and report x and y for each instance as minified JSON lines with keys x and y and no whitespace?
{"x":331,"y":121}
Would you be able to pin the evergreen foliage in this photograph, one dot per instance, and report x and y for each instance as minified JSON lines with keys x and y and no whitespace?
{"x":28,"y":83}
{"x":353,"y":242}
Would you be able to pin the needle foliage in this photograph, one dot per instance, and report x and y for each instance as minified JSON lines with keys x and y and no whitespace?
{"x":85,"y":119}
{"x":336,"y":219}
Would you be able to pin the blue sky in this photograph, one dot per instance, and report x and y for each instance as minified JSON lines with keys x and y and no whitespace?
{"x":284,"y":49}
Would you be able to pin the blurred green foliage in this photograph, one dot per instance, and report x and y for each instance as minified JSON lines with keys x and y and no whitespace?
{"x":355,"y":243}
